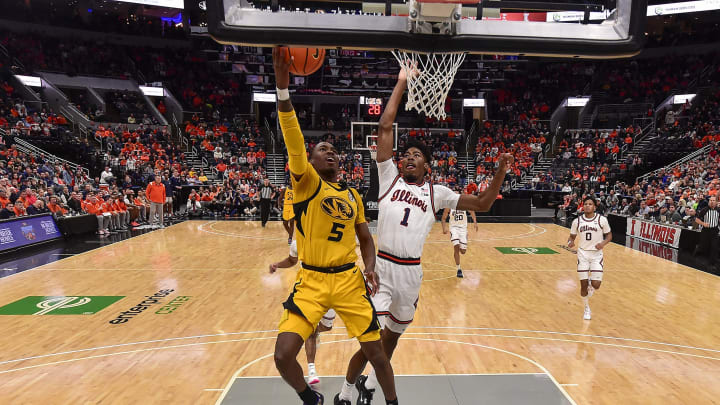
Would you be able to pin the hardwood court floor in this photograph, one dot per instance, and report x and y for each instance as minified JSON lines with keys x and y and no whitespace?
{"x":654,"y":337}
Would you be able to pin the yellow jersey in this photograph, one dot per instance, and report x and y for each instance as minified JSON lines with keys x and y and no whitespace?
{"x":325,"y":217}
{"x":288,"y":201}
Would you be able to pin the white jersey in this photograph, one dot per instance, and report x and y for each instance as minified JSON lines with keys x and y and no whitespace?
{"x":406,"y":211}
{"x":590,"y":231}
{"x":458,"y":219}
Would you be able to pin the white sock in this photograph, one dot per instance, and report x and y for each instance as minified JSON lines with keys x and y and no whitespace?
{"x":371,"y":383}
{"x":586,"y":300}
{"x":346,"y":391}
{"x":311,"y":368}
{"x":458,"y":267}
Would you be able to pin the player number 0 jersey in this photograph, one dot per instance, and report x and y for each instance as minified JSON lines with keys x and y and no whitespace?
{"x":590,"y":231}
{"x":406,"y":211}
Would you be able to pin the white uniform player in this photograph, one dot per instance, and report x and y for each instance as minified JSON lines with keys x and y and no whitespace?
{"x":458,"y":228}
{"x":594,"y":231}
{"x":406,"y":213}
{"x":458,"y":232}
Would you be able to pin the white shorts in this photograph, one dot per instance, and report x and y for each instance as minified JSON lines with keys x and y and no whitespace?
{"x":590,"y":264}
{"x":328,"y":319}
{"x":396,"y":299}
{"x":168,"y":200}
{"x":458,"y":236}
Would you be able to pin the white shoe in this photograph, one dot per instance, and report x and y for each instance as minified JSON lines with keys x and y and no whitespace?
{"x":313,"y":379}
{"x":588,"y":314}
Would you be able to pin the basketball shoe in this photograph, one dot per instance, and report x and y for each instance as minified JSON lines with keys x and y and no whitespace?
{"x":365,"y":395}
{"x":338,"y":401}
{"x":313,"y":378}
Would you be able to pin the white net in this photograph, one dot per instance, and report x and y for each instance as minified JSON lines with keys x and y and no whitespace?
{"x":428,"y":90}
{"x":373,"y":152}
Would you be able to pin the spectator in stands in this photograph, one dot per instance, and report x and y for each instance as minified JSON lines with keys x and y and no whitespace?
{"x":8,"y":211}
{"x":193,"y":203}
{"x":155,"y":192}
{"x":106,"y":176}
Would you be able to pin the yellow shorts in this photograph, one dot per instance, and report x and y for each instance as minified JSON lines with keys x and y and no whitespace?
{"x":288,"y":214}
{"x":315,"y":292}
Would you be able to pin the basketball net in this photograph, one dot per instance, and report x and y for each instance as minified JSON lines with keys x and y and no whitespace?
{"x":428,"y":90}
{"x":373,"y":152}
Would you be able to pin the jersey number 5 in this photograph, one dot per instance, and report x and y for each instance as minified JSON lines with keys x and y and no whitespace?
{"x":336,"y":232}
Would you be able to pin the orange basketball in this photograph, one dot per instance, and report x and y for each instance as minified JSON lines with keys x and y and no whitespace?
{"x":306,"y":61}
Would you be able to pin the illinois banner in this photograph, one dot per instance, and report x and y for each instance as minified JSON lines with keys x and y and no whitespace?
{"x":654,"y":232}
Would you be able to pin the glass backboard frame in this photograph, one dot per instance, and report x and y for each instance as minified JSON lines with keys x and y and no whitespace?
{"x":370,"y":126}
{"x":621,"y":35}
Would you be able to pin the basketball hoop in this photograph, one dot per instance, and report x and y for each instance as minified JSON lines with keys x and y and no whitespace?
{"x":373,"y":151}
{"x":428,"y":90}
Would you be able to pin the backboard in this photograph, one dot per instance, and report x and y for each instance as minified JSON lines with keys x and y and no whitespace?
{"x":364,"y":134}
{"x":569,"y":29}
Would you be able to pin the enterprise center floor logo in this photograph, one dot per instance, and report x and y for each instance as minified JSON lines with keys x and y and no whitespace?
{"x":151,"y":301}
{"x":35,"y":305}
{"x":526,"y":251}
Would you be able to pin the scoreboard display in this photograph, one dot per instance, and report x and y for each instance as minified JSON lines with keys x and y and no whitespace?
{"x":371,"y":106}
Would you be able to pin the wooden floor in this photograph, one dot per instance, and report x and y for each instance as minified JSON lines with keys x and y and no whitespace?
{"x":654,"y":337}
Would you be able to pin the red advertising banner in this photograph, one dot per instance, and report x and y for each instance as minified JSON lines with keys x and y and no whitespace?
{"x":654,"y":232}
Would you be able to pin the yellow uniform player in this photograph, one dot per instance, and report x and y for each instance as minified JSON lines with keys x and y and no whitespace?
{"x":328,"y":218}
{"x":288,"y":216}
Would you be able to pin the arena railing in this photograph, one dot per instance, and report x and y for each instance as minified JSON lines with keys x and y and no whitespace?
{"x":692,"y":156}
{"x":53,"y":158}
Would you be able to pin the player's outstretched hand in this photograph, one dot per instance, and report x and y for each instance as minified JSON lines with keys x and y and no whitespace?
{"x":411,"y":71}
{"x":281,"y":64}
{"x":372,"y":281}
{"x":476,"y":227}
{"x":273,"y":268}
{"x":445,"y":231}
{"x":505,"y":162}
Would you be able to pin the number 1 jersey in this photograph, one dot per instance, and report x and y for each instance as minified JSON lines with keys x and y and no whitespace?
{"x":406,"y":211}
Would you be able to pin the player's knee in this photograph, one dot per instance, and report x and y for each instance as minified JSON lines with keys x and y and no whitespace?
{"x":463,"y":251}
{"x":376,"y":356}
{"x":282,"y":358}
{"x":596,"y":284}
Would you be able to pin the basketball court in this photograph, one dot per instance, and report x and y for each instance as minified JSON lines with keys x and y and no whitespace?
{"x":188,"y":315}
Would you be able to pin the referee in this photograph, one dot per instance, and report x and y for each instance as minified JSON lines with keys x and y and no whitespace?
{"x":267,"y":193}
{"x":708,"y":218}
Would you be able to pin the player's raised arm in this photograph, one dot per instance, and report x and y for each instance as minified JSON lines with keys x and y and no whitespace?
{"x":444,"y":218}
{"x":385,"y":132}
{"x":294,"y":140}
{"x":485,"y":200}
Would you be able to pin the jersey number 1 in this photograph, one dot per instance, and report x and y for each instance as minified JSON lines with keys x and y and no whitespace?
{"x":404,"y":222}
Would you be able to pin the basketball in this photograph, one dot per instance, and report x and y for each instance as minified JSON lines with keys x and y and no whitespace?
{"x":306,"y":61}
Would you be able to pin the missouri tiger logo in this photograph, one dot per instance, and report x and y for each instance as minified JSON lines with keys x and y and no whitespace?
{"x":337,"y":208}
